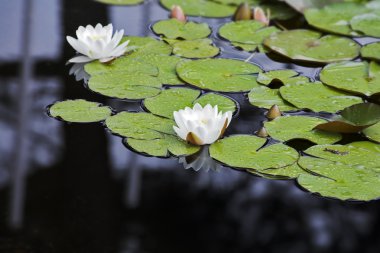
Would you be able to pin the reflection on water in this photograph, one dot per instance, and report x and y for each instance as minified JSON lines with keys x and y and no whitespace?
{"x":200,"y":160}
{"x":85,"y":192}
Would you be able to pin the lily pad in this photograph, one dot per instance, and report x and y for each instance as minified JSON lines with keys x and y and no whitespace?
{"x":368,"y":24}
{"x":337,"y":180}
{"x":120,"y":2}
{"x":202,"y":8}
{"x":278,"y":11}
{"x":124,"y":85}
{"x":284,"y":76}
{"x":147,"y":45}
{"x":201,"y":48}
{"x":247,"y":151}
{"x":353,"y":119}
{"x":371,"y":51}
{"x":79,"y":111}
{"x":363,"y":154}
{"x":219,"y":74}
{"x":174,"y":99}
{"x":311,"y":46}
{"x":335,"y":17}
{"x":358,"y":77}
{"x":166,"y":66}
{"x":175,"y":29}
{"x":300,"y":127}
{"x":288,"y":172}
{"x":249,"y":33}
{"x":317,"y":97}
{"x":373,"y":132}
{"x":162,"y":147}
{"x":264,"y":97}
{"x":236,"y":2}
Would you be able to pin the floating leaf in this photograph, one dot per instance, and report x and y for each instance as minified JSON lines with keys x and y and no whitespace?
{"x":357,"y":77}
{"x":175,"y":99}
{"x":236,"y":2}
{"x":124,"y":85}
{"x":246,"y":33}
{"x":300,"y":127}
{"x":162,"y":147}
{"x":175,"y":29}
{"x":166,"y":67}
{"x":373,"y":132}
{"x":285,"y":76}
{"x":264,"y":97}
{"x":337,"y":180}
{"x":243,"y":151}
{"x":201,"y":48}
{"x":79,"y":111}
{"x":311,"y":46}
{"x":368,"y":23}
{"x":317,"y":97}
{"x":288,"y":172}
{"x":335,"y":17}
{"x":147,"y":45}
{"x":278,"y":11}
{"x":371,"y":51}
{"x":353,"y":119}
{"x":120,"y":2}
{"x":219,"y":74}
{"x":201,"y":8}
{"x":149,"y":134}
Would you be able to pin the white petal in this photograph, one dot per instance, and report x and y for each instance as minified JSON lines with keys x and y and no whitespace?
{"x":79,"y":59}
{"x":180,"y":132}
{"x":77,"y":45}
{"x":197,"y":107}
{"x":103,"y":60}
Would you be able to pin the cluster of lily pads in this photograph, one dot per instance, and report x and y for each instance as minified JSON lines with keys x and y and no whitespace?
{"x":182,"y":67}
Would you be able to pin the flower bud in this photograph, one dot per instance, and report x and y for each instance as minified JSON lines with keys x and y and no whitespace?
{"x":243,"y":12}
{"x":273,"y":112}
{"x":178,"y":13}
{"x":259,"y":15}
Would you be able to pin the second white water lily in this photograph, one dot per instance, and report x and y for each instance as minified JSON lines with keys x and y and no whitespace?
{"x":201,"y":125}
{"x":97,"y":43}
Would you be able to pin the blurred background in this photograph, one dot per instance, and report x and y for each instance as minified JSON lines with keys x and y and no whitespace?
{"x":75,"y":187}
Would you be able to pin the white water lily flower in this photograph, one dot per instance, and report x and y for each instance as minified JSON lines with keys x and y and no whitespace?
{"x":97,"y":43}
{"x":199,"y":125}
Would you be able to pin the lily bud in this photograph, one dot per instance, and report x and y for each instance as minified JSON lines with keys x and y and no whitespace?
{"x":273,"y":112}
{"x":262,"y":133}
{"x":243,"y":12}
{"x":178,"y":13}
{"x":259,"y":15}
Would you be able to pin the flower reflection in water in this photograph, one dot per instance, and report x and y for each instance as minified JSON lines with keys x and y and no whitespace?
{"x":77,"y":69}
{"x":200,"y":160}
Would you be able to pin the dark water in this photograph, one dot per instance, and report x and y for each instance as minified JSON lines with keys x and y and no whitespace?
{"x":75,"y":188}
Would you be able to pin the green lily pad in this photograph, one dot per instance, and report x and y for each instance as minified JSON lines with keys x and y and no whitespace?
{"x":120,"y":2}
{"x":245,"y":47}
{"x":219,"y":74}
{"x":202,"y":8}
{"x":175,"y":99}
{"x":373,"y":132}
{"x":144,"y":126}
{"x":363,"y":154}
{"x":79,"y":111}
{"x":311,"y":46}
{"x":285,"y":76}
{"x":335,"y":17}
{"x":264,"y":97}
{"x":166,"y":66}
{"x":300,"y":127}
{"x":201,"y":48}
{"x":124,"y":85}
{"x":368,"y":24}
{"x":149,"y":134}
{"x":248,"y":33}
{"x":288,"y":172}
{"x":236,"y":2}
{"x":279,"y":11}
{"x":147,"y":45}
{"x":353,"y":119}
{"x":337,"y":180}
{"x":162,"y":147}
{"x":175,"y":29}
{"x":358,"y":77}
{"x":371,"y":51}
{"x":243,"y":151}
{"x":317,"y":97}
